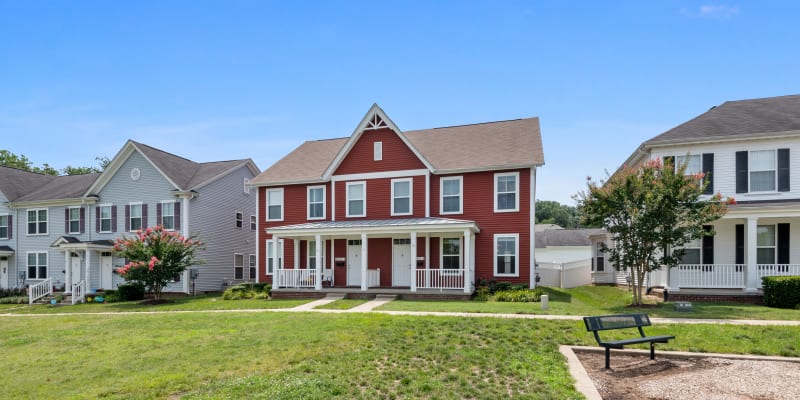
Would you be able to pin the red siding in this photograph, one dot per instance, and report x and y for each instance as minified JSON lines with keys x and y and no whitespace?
{"x":379,"y":199}
{"x":340,"y":271}
{"x":396,"y":155}
{"x":379,"y":253}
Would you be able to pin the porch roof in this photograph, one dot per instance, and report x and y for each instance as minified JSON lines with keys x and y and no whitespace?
{"x":6,"y":251}
{"x":397,"y":225}
{"x":71,"y":242}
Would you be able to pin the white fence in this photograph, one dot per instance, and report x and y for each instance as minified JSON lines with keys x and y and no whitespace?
{"x":726,"y":276}
{"x":79,"y":292}
{"x":565,"y":275}
{"x":39,"y":290}
{"x":307,"y":278}
{"x":440,"y":278}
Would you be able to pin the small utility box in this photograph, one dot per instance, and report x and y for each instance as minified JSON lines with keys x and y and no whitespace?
{"x":683,"y":306}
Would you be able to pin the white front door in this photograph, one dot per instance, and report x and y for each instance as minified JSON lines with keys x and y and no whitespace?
{"x":105,"y":271}
{"x":4,"y":273}
{"x":354,"y":265}
{"x":76,"y":269}
{"x":401,"y":262}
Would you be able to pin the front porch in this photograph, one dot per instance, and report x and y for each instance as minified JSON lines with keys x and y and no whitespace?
{"x":371,"y":293}
{"x":726,"y":276}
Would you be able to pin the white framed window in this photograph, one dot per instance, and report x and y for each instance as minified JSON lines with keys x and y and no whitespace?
{"x":4,"y":226}
{"x":377,"y":154}
{"x":135,"y":221}
{"x":506,"y":192}
{"x":168,"y":215}
{"x":694,"y":163}
{"x":402,"y":195}
{"x":253,"y":223}
{"x":274,"y":260}
{"x":506,"y":254}
{"x":37,"y":221}
{"x":37,"y":264}
{"x":106,"y":217}
{"x":763,"y":165}
{"x":692,"y":252}
{"x":356,"y":199}
{"x":239,"y":220}
{"x":766,"y":244}
{"x":238,"y":266}
{"x":451,"y":200}
{"x":312,"y":254}
{"x":316,"y":202}
{"x":73,"y":220}
{"x":275,"y":204}
{"x":450,"y":253}
{"x":252,"y":266}
{"x":246,"y":186}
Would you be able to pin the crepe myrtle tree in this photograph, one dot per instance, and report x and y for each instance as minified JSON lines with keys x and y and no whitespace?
{"x":651,"y":212}
{"x":155,"y":256}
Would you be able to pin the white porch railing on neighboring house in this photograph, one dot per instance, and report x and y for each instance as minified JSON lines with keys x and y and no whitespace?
{"x":39,"y":290}
{"x":79,"y":292}
{"x":440,"y":278}
{"x":711,"y":276}
{"x":763,"y":270}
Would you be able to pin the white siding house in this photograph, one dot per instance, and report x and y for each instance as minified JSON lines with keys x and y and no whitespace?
{"x":749,"y":151}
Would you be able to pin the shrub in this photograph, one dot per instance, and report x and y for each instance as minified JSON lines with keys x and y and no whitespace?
{"x":129,"y":292}
{"x":781,"y":291}
{"x":482,"y":293}
{"x":14,"y":300}
{"x":248,"y":291}
{"x":518,"y":295}
{"x":13,"y":292}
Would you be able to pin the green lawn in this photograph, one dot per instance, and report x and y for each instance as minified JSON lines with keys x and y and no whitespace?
{"x":595,"y":300}
{"x":317,"y":356}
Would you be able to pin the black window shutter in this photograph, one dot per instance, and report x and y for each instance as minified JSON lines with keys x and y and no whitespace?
{"x":783,"y":243}
{"x":741,"y":172}
{"x":97,"y":219}
{"x":113,"y":218}
{"x":144,"y":216}
{"x":708,"y":246}
{"x":82,"y":222}
{"x":127,"y":217}
{"x":66,"y":220}
{"x":177,"y":215}
{"x":783,"y":170}
{"x":739,"y":243}
{"x":669,"y":160}
{"x":708,"y":170}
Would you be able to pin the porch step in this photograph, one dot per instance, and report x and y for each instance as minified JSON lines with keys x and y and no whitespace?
{"x":334,"y":296}
{"x":385,"y":297}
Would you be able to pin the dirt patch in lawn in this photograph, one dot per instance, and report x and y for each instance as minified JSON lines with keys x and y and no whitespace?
{"x":690,"y":376}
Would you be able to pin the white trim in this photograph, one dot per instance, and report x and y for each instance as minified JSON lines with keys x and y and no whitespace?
{"x":110,"y":217}
{"x":277,"y":256}
{"x":517,"y":185}
{"x":46,"y":265}
{"x":234,"y":265}
{"x":172,"y":210}
{"x":774,"y":170}
{"x":253,"y":223}
{"x":377,"y":230}
{"x":427,"y":195}
{"x":252,"y":259}
{"x":377,"y":151}
{"x":460,"y":251}
{"x":69,"y":220}
{"x":347,"y":199}
{"x":380,"y":175}
{"x":516,"y":253}
{"x":130,"y":215}
{"x":308,"y":201}
{"x":282,"y":204}
{"x":410,"y":196}
{"x":532,"y":225}
{"x":246,"y":186}
{"x":333,"y":201}
{"x":27,"y":222}
{"x":460,"y":179}
{"x":238,"y":219}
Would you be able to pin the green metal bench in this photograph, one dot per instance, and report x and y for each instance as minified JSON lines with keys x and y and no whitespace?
{"x":623,"y":321}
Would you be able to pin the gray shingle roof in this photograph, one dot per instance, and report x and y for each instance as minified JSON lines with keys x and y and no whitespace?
{"x":564,"y":237}
{"x":62,"y":187}
{"x":15,"y":183}
{"x":738,"y":118}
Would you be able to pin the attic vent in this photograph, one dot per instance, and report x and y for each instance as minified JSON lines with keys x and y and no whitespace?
{"x":375,"y":123}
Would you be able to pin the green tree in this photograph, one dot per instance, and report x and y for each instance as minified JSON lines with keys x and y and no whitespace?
{"x":12,"y":160}
{"x":648,"y":211}
{"x":553,"y":212}
{"x":155,"y":257}
{"x":102,"y":161}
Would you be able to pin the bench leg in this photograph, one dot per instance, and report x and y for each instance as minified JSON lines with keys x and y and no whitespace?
{"x":608,"y":358}
{"x":652,"y":351}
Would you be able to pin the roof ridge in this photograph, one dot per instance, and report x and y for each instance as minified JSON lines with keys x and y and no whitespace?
{"x":473,"y":124}
{"x":29,"y":171}
{"x":165,"y":152}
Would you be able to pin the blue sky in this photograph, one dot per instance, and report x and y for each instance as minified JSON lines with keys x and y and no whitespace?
{"x":237,"y":79}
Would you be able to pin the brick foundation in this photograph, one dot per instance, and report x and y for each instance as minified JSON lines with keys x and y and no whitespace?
{"x":743,"y":299}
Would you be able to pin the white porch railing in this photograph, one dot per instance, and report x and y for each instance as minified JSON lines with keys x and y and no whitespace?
{"x":763,"y":270}
{"x":440,"y":278}
{"x":79,"y":292}
{"x":712,"y":276}
{"x":39,"y":290}
{"x":374,"y":277}
{"x":296,"y":278}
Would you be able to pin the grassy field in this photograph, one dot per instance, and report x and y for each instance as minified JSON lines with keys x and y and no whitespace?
{"x":317,"y":356}
{"x":595,"y":300}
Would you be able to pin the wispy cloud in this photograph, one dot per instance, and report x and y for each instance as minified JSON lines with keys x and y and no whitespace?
{"x":712,"y":11}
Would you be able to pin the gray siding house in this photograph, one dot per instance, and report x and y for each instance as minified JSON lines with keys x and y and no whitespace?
{"x":63,"y":227}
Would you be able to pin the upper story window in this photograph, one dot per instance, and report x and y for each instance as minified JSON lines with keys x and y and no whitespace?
{"x":402,"y":196}
{"x":377,"y":151}
{"x":74,"y":220}
{"x":239,"y":219}
{"x":356,"y":199}
{"x":452,"y":188}
{"x":135,"y":220}
{"x":168,"y":215}
{"x":506,"y":255}
{"x":246,"y":186}
{"x":694,"y":163}
{"x":506,"y":192}
{"x":105,"y":218}
{"x":253,"y":224}
{"x":763,"y":171}
{"x":275,"y":204}
{"x":5,"y":227}
{"x":316,"y":202}
{"x":37,"y":221}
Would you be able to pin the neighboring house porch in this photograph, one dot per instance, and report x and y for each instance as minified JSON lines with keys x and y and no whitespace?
{"x":89,"y":264}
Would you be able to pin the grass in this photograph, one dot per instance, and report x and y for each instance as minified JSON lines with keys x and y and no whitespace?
{"x":316,"y":356}
{"x":343,"y":304}
{"x":595,"y":300}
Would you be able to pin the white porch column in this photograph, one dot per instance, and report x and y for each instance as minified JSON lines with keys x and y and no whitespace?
{"x":413,"y":257}
{"x":364,"y":262}
{"x":751,"y":279}
{"x":472,"y":264}
{"x":427,"y":260}
{"x":276,"y":282}
{"x":332,"y":261}
{"x":296,"y":254}
{"x":68,"y":272}
{"x":467,"y":260}
{"x":88,"y":273}
{"x":318,"y":262}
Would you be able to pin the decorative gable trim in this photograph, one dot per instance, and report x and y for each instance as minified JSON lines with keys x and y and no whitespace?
{"x":375,"y":118}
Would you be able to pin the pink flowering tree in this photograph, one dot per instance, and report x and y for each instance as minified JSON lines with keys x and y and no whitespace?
{"x":155,"y":257}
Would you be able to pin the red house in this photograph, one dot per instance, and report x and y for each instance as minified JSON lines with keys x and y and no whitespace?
{"x":419,"y":212}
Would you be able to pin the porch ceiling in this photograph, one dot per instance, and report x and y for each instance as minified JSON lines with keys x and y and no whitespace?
{"x":382,"y":226}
